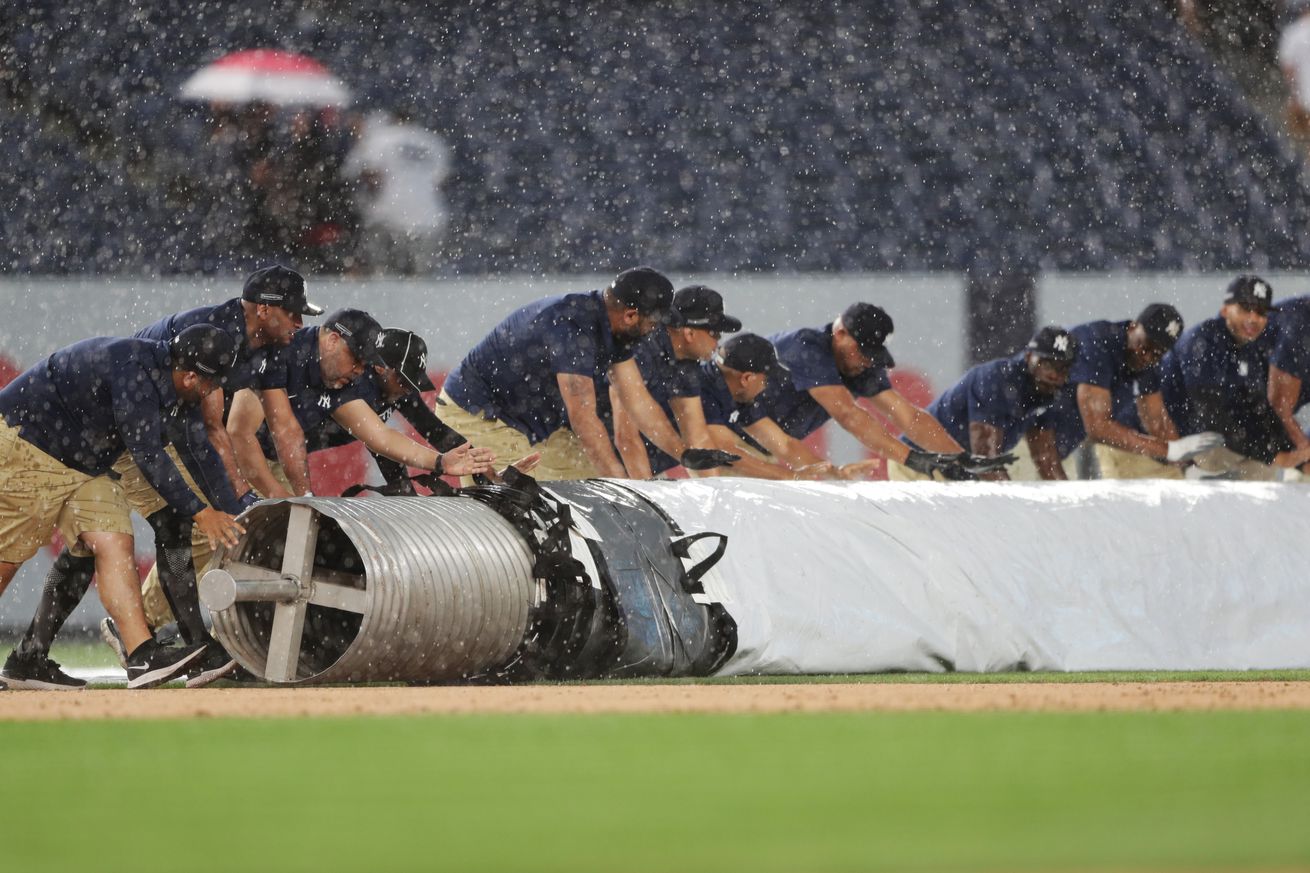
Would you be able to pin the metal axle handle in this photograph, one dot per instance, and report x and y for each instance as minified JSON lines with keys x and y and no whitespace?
{"x":220,"y":590}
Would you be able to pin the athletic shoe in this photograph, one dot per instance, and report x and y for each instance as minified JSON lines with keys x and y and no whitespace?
{"x":213,"y":665}
{"x":36,"y":672}
{"x":109,"y":633}
{"x":151,"y":664}
{"x":168,"y":634}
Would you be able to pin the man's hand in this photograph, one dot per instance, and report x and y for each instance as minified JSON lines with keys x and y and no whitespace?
{"x":816,"y":472}
{"x":466,"y":461}
{"x":707,"y":459}
{"x":858,"y":470}
{"x":527,"y":463}
{"x":977,"y":465}
{"x":1188,"y":447}
{"x":218,"y":527}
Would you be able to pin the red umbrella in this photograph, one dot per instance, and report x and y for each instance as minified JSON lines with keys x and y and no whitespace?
{"x":268,"y":75}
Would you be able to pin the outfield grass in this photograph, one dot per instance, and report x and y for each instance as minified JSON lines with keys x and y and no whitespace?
{"x":661,"y":793}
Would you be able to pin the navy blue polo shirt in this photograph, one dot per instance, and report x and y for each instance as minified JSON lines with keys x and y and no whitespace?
{"x":1102,"y":361}
{"x":510,"y":374}
{"x":665,"y":376}
{"x":1207,"y":356}
{"x":1289,"y":332}
{"x":807,"y":352}
{"x":1000,"y":393}
{"x":229,"y":317}
{"x":299,"y":372}
{"x":88,"y":403}
{"x":716,"y":402}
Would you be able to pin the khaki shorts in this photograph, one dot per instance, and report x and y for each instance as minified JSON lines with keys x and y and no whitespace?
{"x":898,"y":472}
{"x":38,"y":493}
{"x":143,"y":497}
{"x":1118,"y":464}
{"x":1024,"y":470}
{"x":158,"y":612}
{"x":562,"y":455}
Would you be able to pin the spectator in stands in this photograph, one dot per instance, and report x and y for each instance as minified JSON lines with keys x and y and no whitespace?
{"x":397,"y":168}
{"x":1215,"y":379}
{"x":1116,"y":379}
{"x":1294,"y":59}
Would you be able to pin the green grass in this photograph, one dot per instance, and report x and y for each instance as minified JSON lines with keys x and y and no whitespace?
{"x":678,"y":793}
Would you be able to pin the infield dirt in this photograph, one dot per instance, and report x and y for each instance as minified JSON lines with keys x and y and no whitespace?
{"x":652,"y":698}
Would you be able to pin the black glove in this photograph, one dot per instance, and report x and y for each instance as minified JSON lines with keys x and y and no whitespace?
{"x":927,"y":462}
{"x":977,"y":465}
{"x":707,"y":459}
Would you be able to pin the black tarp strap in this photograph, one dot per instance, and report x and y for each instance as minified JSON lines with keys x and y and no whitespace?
{"x":682,"y":548}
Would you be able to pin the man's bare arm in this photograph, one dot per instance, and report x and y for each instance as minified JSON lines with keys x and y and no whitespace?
{"x":856,"y":421}
{"x":923,"y":430}
{"x":1155,"y":418}
{"x":211,"y":409}
{"x":650,"y":418}
{"x":1046,"y":457}
{"x":628,"y":440}
{"x":1095,"y":405}
{"x":243,"y":423}
{"x":579,"y":393}
{"x":1284,"y":391}
{"x":986,"y":440}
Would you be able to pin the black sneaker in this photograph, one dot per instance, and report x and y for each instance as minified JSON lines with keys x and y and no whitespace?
{"x":36,"y":672}
{"x":151,"y":664}
{"x":109,"y":634}
{"x":213,"y":665}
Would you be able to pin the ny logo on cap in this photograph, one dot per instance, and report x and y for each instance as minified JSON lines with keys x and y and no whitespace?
{"x":1260,"y":290}
{"x":1173,"y":328}
{"x":1061,"y":343}
{"x":423,"y":361}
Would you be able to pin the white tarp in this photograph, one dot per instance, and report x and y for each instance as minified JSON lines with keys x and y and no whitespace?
{"x":837,"y":578}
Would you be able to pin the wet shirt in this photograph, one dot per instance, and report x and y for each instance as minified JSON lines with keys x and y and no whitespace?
{"x":88,"y":403}
{"x":230,"y":318}
{"x":808,"y":353}
{"x":665,"y":376}
{"x":1102,"y":361}
{"x":300,"y":374}
{"x":1000,"y":393}
{"x":719,"y":408}
{"x":510,"y":374}
{"x":1289,"y":336}
{"x":1207,"y":357}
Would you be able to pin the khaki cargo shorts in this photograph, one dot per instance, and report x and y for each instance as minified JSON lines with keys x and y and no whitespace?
{"x":38,"y":494}
{"x":562,"y":455}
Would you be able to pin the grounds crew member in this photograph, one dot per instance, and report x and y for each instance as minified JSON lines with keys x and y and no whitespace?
{"x":66,"y":421}
{"x":830,"y":367}
{"x":320,"y":385}
{"x":996,"y":405}
{"x":1289,"y":365}
{"x":271,"y":308}
{"x":668,"y":359}
{"x":1216,"y":379}
{"x":535,"y":382}
{"x":728,"y":387}
{"x":1117,"y":377}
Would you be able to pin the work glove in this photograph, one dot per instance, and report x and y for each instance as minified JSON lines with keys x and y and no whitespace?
{"x":927,"y":462}
{"x":707,"y":459}
{"x":1188,"y":447}
{"x":977,"y":465}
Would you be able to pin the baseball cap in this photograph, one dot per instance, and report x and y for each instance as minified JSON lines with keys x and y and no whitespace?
{"x":407,"y":354}
{"x":1162,"y":323}
{"x":1252,"y":292}
{"x":701,"y":307}
{"x":1054,"y":343}
{"x":279,"y":286}
{"x":644,"y":289}
{"x":871,"y":327}
{"x":203,"y":349}
{"x":750,"y":353}
{"x":360,"y":331}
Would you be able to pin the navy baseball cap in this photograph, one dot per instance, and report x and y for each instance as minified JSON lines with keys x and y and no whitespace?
{"x":644,"y":289}
{"x":1054,"y":344}
{"x":361,"y":332}
{"x":750,"y":353}
{"x":203,"y":349}
{"x":871,"y":327}
{"x":279,"y":286}
{"x":405,"y":352}
{"x":701,"y":307}
{"x":1162,"y":323}
{"x":1251,"y":292}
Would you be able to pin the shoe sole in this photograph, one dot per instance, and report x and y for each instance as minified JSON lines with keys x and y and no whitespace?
{"x":36,"y":685}
{"x":111,"y":639}
{"x":163,"y":674}
{"x":203,"y":679}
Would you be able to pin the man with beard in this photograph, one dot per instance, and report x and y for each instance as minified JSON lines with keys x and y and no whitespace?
{"x":999,"y":403}
{"x":534,"y":383}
